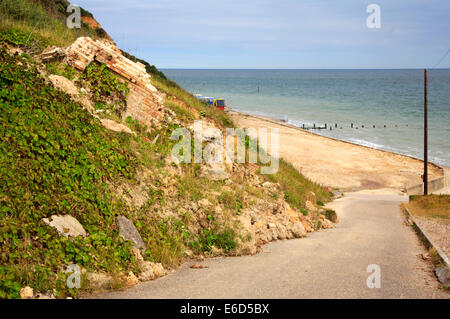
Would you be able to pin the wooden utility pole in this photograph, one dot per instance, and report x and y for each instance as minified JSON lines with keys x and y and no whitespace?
{"x":425,"y":142}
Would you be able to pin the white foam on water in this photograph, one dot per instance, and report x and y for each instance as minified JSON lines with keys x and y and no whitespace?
{"x":299,"y":123}
{"x":367,"y":143}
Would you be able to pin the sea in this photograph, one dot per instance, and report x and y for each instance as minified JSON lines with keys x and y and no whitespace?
{"x":386,"y":107}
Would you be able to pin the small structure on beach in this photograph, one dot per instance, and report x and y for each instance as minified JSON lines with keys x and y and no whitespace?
{"x":215,"y":102}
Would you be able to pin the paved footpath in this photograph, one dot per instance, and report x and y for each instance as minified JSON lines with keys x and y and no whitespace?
{"x":326,"y":264}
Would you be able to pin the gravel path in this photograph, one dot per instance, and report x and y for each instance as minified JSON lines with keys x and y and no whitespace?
{"x":327,"y":264}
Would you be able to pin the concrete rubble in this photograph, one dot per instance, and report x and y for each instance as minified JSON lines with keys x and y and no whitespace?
{"x":66,"y":225}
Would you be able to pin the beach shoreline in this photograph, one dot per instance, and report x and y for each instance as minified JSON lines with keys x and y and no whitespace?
{"x":351,"y":166}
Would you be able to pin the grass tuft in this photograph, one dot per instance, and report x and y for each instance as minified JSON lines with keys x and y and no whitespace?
{"x":430,"y":206}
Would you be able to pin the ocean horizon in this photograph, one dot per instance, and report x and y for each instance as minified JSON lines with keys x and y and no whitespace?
{"x":389,"y":99}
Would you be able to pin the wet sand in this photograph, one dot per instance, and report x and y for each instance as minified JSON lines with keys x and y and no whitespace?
{"x":339,"y":164}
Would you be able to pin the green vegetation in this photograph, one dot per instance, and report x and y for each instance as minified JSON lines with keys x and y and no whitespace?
{"x":31,"y":43}
{"x":109,"y":93}
{"x":172,"y":89}
{"x":231,"y":200}
{"x":210,"y":238}
{"x":165,"y":238}
{"x":32,"y":25}
{"x":191,"y":186}
{"x":430,"y":206}
{"x":296,"y":186}
{"x":136,"y":126}
{"x":59,"y":68}
{"x":181,"y":112}
{"x":56,"y":160}
{"x":331,"y":215}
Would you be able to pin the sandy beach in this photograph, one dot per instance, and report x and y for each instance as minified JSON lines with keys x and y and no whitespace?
{"x":340,"y":164}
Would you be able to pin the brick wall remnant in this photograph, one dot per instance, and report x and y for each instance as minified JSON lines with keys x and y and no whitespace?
{"x":144,"y":102}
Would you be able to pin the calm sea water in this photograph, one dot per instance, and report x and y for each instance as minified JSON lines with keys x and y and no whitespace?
{"x":364,"y":97}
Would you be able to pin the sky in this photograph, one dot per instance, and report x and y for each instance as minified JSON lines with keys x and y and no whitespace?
{"x":278,"y":34}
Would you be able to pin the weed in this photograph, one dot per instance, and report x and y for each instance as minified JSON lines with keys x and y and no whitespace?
{"x":231,"y":200}
{"x":181,"y":112}
{"x":296,"y":186}
{"x":61,"y":69}
{"x":35,"y":24}
{"x":208,"y":239}
{"x":136,"y":126}
{"x":431,"y":206}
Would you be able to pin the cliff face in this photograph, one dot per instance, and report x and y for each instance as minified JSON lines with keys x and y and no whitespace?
{"x":91,"y":22}
{"x":88,"y":149}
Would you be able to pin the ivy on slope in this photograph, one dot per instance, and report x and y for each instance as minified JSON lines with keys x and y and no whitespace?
{"x":55,"y":158}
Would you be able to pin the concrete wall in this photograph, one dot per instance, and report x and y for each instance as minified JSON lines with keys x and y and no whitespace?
{"x":433,"y":186}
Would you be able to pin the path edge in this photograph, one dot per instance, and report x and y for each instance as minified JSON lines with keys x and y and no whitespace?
{"x":440,"y":252}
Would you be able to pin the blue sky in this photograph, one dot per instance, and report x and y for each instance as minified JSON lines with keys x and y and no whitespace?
{"x":309,"y":34}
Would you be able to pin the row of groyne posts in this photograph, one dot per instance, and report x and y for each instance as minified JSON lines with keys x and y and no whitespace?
{"x":336,"y":126}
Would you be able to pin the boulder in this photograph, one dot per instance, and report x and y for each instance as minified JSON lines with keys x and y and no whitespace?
{"x":64,"y":84}
{"x":131,"y":279}
{"x":158,"y":270}
{"x":151,"y":271}
{"x":282,"y":232}
{"x":298,"y":230}
{"x":147,"y":272}
{"x":129,"y":232}
{"x":326,"y":224}
{"x":66,"y":225}
{"x":307,"y":226}
{"x":52,"y":54}
{"x":26,"y":293}
{"x":443,"y":275}
{"x":137,"y":254}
